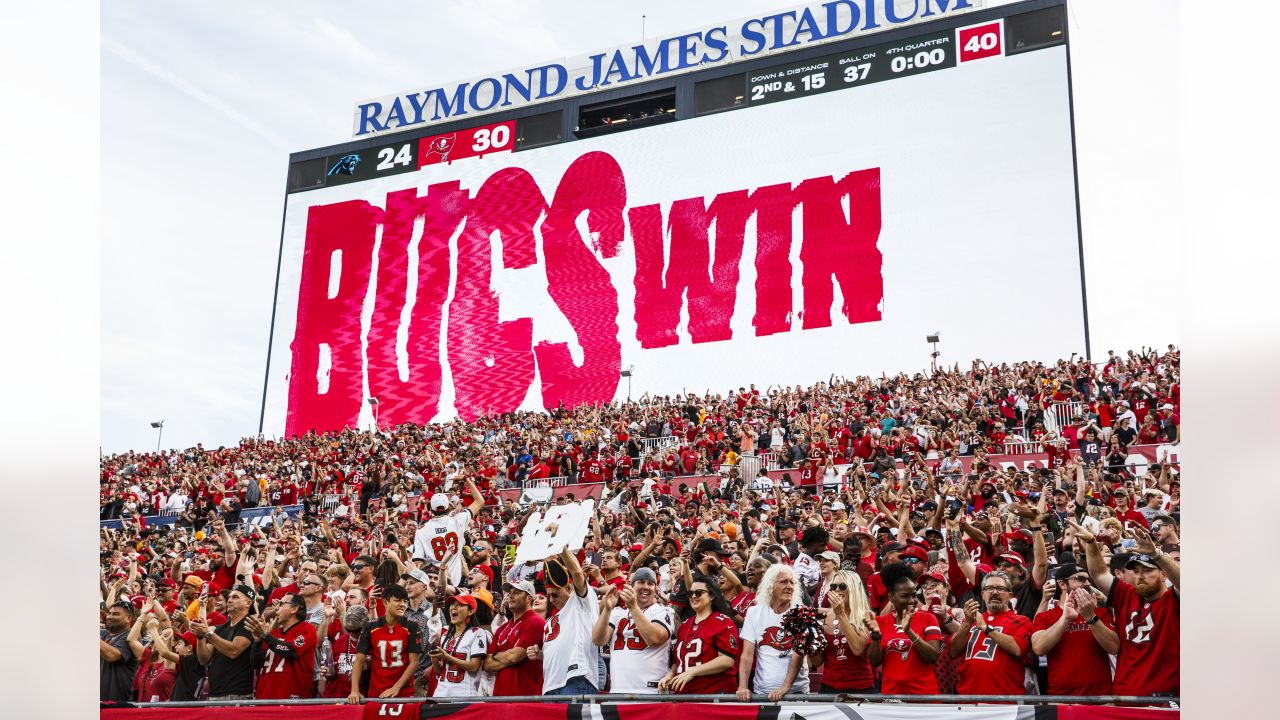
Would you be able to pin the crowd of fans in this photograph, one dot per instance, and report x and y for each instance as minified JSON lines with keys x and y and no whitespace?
{"x":930,"y":569}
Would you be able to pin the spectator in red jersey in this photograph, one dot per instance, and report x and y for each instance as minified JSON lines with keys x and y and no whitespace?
{"x":845,"y":665}
{"x":992,"y":642}
{"x":1077,"y":637}
{"x":389,"y":648}
{"x":1147,"y":615}
{"x":508,"y":657}
{"x":706,"y":646}
{"x":284,"y":650}
{"x":906,"y":641}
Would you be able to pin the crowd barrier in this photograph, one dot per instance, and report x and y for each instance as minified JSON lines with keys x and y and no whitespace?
{"x":676,"y":707}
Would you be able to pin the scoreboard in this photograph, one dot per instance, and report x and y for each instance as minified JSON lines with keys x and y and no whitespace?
{"x":775,"y":221}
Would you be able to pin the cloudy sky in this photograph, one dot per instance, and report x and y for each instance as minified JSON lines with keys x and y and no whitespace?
{"x":203,"y":101}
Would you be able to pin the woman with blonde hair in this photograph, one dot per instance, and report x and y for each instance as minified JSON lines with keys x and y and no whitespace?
{"x":845,"y":666}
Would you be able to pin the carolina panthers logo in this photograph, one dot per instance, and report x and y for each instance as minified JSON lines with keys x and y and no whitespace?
{"x":346,"y":165}
{"x":442,"y":146}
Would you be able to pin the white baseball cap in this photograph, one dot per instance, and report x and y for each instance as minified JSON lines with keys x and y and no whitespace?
{"x":439,"y":501}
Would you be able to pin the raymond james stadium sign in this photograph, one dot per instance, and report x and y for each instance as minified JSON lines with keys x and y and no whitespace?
{"x":792,"y":29}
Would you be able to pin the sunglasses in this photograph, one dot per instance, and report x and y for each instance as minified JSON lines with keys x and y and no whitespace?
{"x":698,"y":593}
{"x":911,"y":560}
{"x":359,"y":566}
{"x":838,"y":586}
{"x":996,"y":589}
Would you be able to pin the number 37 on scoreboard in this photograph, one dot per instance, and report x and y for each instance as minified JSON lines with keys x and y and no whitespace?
{"x":980,"y":41}
{"x":472,"y":142}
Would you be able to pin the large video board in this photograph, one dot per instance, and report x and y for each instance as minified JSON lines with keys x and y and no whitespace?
{"x":850,"y":204}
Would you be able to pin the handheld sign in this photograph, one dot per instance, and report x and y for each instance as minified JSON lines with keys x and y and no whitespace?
{"x":548,"y":533}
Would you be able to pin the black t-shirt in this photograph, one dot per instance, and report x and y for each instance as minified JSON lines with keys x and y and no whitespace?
{"x":189,"y":671}
{"x":116,"y":678}
{"x":231,"y":676}
{"x":1126,"y":435}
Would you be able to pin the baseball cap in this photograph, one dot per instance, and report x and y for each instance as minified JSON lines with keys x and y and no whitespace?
{"x":712,"y":545}
{"x":417,"y":575}
{"x":1065,"y":570}
{"x":937,"y":577}
{"x":863,"y":531}
{"x":485,"y":570}
{"x":917,"y":552}
{"x":194,"y":581}
{"x":1142,"y":559}
{"x":837,"y":505}
{"x":467,"y":600}
{"x":829,"y":555}
{"x":523,"y":586}
{"x":1119,"y":561}
{"x":1166,"y":406}
{"x":1011,"y":557}
{"x":439,"y":501}
{"x":188,"y":637}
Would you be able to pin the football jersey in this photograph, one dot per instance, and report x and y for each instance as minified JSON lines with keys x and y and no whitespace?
{"x":636,"y":666}
{"x":1149,"y":637}
{"x":1077,"y":664}
{"x":985,"y":668}
{"x":437,"y":536}
{"x":763,"y":627}
{"x":698,"y":643}
{"x":904,"y":671}
{"x":567,"y":650}
{"x":386,"y":649}
{"x":281,"y":677}
{"x":453,"y":681}
{"x":344,"y":657}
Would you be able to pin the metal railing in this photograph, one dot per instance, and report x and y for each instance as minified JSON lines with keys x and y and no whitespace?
{"x":657,"y":444}
{"x":755,"y":700}
{"x":557,"y":481}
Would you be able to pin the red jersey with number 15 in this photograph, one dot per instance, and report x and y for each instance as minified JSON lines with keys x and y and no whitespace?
{"x":387,"y":649}
{"x":698,"y":643}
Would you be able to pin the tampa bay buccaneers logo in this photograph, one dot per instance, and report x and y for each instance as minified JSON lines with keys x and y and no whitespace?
{"x":777,"y":638}
{"x":900,"y":645}
{"x":442,"y":146}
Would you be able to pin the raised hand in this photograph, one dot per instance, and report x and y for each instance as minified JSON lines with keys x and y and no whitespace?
{"x":1144,"y":543}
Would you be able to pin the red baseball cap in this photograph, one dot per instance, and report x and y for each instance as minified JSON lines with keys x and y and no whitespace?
{"x":1012,"y":557}
{"x":931,"y":576}
{"x":917,"y":552}
{"x":486,"y":570}
{"x":468,"y":600}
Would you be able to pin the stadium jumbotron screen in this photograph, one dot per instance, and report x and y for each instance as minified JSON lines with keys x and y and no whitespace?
{"x":760,"y":221}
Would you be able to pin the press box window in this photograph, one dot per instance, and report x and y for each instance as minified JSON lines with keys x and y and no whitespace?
{"x":626,"y":114}
{"x":306,"y":175}
{"x":723,"y":93}
{"x":538,"y":130}
{"x":1035,"y":30}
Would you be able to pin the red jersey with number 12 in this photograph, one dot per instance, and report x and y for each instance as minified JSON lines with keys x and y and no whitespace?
{"x":698,"y":643}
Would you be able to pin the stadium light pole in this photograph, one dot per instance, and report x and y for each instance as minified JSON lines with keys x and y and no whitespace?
{"x":627,"y":374}
{"x":159,"y":426}
{"x":934,"y":338}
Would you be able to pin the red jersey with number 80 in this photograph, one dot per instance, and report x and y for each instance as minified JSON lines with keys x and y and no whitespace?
{"x":698,"y":643}
{"x":387,"y":649}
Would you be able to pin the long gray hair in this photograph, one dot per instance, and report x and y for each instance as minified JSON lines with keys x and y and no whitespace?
{"x":764,"y":593}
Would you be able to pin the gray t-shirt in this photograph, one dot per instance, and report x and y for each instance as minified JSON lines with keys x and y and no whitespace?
{"x":116,"y":678}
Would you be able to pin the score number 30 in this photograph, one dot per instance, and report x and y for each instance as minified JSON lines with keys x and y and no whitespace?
{"x":494,"y":138}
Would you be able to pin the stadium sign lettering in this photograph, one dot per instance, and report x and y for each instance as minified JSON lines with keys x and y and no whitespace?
{"x":779,"y":32}
{"x":399,"y":258}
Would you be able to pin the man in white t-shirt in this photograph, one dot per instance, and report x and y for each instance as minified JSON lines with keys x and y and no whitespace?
{"x":769,"y":665}
{"x":763,"y":482}
{"x":637,"y":630}
{"x":442,"y":536}
{"x":570,"y":660}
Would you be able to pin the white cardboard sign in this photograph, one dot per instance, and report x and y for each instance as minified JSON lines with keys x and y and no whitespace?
{"x":547,"y":534}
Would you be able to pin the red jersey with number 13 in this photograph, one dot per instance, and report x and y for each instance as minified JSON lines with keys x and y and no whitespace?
{"x":386,"y":649}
